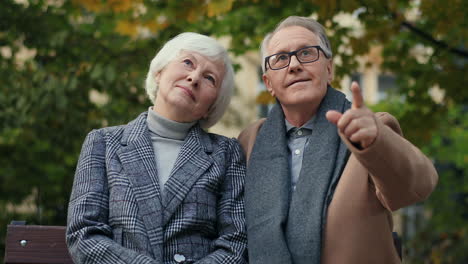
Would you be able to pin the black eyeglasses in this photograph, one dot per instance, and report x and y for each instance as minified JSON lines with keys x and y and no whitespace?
{"x":304,"y":55}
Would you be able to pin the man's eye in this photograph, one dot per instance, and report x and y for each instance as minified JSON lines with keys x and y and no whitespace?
{"x":282,"y":57}
{"x":308,"y":53}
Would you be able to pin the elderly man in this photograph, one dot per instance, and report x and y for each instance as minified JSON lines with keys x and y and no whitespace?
{"x":323,"y":174}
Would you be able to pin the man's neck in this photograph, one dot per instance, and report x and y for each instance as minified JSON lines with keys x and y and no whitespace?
{"x":299,"y":115}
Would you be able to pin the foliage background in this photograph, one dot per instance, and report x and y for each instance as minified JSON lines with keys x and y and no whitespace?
{"x":57,"y":57}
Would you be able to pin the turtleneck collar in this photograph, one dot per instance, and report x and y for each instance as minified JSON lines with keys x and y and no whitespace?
{"x":167,"y":128}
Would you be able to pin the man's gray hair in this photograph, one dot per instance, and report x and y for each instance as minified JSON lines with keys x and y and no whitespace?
{"x":206,"y":46}
{"x":305,"y":22}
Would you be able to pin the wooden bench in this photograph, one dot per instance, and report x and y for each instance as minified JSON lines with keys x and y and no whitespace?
{"x":36,"y":244}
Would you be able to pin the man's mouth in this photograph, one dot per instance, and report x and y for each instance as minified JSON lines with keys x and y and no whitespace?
{"x":298,"y":81}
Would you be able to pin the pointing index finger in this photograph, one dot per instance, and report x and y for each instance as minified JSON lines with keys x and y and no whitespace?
{"x":358,"y":100}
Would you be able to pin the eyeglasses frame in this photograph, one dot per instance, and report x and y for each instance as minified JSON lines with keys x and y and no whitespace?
{"x":291,"y":53}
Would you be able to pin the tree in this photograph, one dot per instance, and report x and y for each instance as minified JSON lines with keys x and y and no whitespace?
{"x":443,"y":237}
{"x":67,"y":67}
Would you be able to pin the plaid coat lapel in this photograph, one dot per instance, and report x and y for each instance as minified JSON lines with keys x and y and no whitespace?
{"x":137,"y":158}
{"x":192,"y":162}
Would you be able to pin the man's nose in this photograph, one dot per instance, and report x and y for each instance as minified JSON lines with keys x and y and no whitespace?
{"x":294,"y":64}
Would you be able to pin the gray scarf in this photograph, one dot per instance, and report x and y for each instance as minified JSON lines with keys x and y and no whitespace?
{"x":286,"y":231}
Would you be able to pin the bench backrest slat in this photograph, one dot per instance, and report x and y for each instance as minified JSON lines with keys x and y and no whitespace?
{"x":44,"y":244}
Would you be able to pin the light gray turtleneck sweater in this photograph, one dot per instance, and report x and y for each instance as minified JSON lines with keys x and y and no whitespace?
{"x":167,"y":137}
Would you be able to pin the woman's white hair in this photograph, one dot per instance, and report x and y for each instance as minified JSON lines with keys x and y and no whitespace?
{"x":305,"y":22}
{"x":206,"y":46}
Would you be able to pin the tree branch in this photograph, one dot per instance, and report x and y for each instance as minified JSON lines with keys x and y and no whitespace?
{"x":423,"y":34}
{"x":431,"y":39}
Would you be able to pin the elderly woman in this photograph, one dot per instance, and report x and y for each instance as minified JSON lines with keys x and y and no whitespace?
{"x":160,"y":189}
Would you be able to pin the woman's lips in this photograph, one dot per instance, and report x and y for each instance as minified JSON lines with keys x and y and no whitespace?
{"x":187,"y":91}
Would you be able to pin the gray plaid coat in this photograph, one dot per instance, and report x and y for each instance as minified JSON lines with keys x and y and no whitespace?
{"x":118,"y":215}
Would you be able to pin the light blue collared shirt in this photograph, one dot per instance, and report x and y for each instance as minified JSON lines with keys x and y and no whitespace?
{"x":297,"y":139}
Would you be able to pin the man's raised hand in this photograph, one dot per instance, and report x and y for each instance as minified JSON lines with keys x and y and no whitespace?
{"x":358,"y":123}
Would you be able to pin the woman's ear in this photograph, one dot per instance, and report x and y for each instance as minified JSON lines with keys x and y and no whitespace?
{"x":157,"y":76}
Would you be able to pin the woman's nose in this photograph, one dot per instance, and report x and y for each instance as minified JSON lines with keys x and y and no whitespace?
{"x":193,"y":79}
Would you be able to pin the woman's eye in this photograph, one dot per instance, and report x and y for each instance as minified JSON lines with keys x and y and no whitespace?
{"x":211,"y":79}
{"x":188,"y":62}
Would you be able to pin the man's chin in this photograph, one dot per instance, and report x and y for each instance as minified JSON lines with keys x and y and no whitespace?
{"x":302,"y":98}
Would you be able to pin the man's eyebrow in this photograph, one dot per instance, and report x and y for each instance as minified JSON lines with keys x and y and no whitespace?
{"x":283,"y":50}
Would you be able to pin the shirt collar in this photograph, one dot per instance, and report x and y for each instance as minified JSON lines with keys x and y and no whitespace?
{"x":307,"y":125}
{"x":167,"y":128}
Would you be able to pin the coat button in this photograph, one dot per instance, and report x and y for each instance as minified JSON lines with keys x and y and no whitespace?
{"x":179,"y":258}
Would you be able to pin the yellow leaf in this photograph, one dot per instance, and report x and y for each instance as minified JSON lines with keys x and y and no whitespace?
{"x":120,"y":5}
{"x":83,"y":67}
{"x":154,"y":26}
{"x":264,"y":98}
{"x":127,"y":28}
{"x":217,"y":7}
{"x":193,"y":13}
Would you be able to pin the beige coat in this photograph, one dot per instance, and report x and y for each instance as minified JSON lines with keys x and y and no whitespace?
{"x":388,"y":175}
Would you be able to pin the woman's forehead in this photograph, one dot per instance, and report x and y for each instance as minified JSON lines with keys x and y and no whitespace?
{"x":214,"y":65}
{"x":198,"y":56}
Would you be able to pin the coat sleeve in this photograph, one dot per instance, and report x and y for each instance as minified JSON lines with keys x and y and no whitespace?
{"x":231,"y":245}
{"x":89,"y":236}
{"x":402,"y":174}
{"x":248,"y":136}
